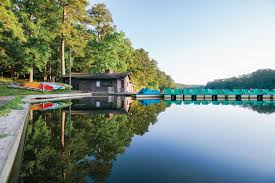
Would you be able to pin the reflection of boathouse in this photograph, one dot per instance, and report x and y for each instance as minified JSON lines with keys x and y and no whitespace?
{"x":102,"y":105}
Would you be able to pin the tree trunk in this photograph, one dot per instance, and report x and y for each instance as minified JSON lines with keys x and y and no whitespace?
{"x":33,"y":57}
{"x":50,"y":69}
{"x":31,"y":74}
{"x":62,"y":56}
{"x":45,"y":73}
{"x":63,"y":72}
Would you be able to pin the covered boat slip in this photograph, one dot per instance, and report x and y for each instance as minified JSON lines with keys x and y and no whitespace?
{"x":219,"y":94}
{"x":224,"y":102}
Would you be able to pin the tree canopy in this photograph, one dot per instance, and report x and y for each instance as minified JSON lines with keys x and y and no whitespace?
{"x":36,"y":37}
{"x":264,"y":78}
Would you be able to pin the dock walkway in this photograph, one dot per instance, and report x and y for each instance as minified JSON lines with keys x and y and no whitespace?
{"x":12,"y":128}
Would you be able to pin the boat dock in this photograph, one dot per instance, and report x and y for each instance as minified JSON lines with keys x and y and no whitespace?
{"x":211,"y":95}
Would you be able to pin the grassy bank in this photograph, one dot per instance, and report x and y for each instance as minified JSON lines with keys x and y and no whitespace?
{"x":13,"y":104}
{"x":6,"y":91}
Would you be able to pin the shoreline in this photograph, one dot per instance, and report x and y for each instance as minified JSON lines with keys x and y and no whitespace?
{"x":12,"y":129}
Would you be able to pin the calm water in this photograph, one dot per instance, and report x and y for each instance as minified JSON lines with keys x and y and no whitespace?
{"x":118,"y":140}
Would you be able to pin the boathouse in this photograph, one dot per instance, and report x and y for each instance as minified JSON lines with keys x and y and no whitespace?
{"x":107,"y":82}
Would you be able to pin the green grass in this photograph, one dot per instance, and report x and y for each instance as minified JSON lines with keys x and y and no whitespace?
{"x":12,"y":104}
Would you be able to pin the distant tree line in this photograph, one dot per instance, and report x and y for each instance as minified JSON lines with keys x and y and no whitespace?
{"x":180,"y":85}
{"x":36,"y":37}
{"x":264,"y":78}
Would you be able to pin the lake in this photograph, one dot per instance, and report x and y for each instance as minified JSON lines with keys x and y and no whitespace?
{"x":117,"y":140}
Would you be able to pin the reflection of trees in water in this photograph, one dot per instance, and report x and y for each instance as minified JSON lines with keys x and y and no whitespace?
{"x":91,"y":144}
{"x":261,"y":109}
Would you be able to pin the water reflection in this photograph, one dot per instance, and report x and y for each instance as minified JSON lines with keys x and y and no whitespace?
{"x":80,"y":143}
{"x":102,"y":105}
{"x":266,"y":107}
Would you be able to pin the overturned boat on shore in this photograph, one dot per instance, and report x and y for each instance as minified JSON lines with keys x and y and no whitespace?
{"x":41,"y":86}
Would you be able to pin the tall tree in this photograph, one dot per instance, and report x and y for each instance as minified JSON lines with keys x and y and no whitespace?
{"x":111,"y":53}
{"x":73,"y":14}
{"x":9,"y":21}
{"x":102,"y":21}
{"x":11,"y":39}
{"x":39,"y":25}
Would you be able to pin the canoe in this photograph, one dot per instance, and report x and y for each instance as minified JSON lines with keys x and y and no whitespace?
{"x":55,"y":86}
{"x":37,"y":85}
{"x":41,"y":86}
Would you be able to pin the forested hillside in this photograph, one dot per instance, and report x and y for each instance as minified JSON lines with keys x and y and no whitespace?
{"x":264,"y":78}
{"x":36,"y":37}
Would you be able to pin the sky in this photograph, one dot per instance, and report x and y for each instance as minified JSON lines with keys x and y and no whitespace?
{"x":196,"y":41}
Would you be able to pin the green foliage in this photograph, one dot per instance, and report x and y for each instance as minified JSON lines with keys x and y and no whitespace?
{"x":101,"y":20}
{"x":263,"y":79}
{"x":8,"y":20}
{"x":111,"y":53}
{"x":145,"y":73}
{"x":37,"y":34}
{"x":73,"y":27}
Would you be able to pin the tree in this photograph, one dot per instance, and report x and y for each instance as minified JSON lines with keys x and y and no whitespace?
{"x":35,"y":35}
{"x":11,"y":40}
{"x":111,"y":53}
{"x":73,"y":15}
{"x":9,"y":21}
{"x":102,"y":21}
{"x":263,"y":79}
{"x":39,"y":25}
{"x":145,"y":72}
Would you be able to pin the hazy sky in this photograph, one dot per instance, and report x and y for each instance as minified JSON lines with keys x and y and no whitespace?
{"x":196,"y":41}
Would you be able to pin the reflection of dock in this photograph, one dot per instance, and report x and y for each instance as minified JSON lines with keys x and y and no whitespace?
{"x":223,"y":102}
{"x":143,"y":97}
{"x":219,"y":97}
{"x":101,"y":105}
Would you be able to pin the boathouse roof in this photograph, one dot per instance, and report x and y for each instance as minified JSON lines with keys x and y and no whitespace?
{"x":98,"y":75}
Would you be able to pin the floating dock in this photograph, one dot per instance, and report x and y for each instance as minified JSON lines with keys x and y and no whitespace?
{"x":219,"y":95}
{"x":211,"y":95}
